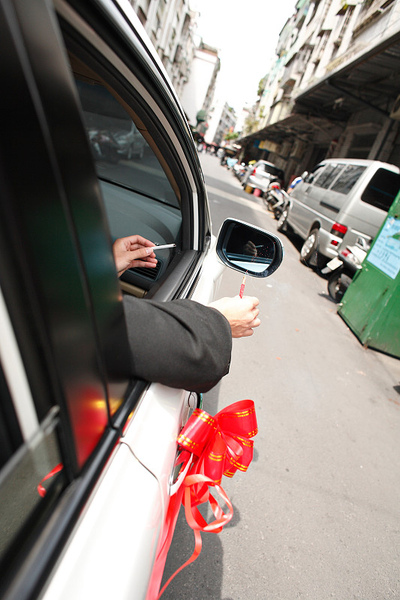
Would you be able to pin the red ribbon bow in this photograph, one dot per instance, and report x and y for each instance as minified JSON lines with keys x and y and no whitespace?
{"x":221,"y":443}
{"x":211,"y":447}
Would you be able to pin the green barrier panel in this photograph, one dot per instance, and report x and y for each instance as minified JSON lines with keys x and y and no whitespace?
{"x":371,"y":304}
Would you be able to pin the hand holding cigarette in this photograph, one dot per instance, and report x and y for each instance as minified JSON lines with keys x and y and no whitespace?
{"x":133,"y":251}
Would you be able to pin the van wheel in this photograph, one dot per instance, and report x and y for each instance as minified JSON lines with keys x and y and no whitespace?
{"x":309,"y":254}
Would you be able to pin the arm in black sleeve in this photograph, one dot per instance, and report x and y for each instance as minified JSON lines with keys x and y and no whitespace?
{"x":182,"y":343}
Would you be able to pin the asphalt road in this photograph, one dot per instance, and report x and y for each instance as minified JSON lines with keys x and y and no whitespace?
{"x":317,"y":515}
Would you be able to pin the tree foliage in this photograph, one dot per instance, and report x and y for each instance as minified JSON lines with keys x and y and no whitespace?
{"x":232,"y":135}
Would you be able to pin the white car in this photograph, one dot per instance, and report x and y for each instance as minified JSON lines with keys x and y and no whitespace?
{"x":260,"y":175}
{"x":86,"y":453}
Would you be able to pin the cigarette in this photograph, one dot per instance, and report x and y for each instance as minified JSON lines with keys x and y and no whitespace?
{"x":163,"y":247}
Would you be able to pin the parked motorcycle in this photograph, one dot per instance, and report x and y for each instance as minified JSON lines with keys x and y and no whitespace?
{"x":276,"y":199}
{"x":343,"y":267}
{"x":239,"y":169}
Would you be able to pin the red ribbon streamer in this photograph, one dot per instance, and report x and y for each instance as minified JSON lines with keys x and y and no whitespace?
{"x":217,"y":446}
{"x":41,"y":490}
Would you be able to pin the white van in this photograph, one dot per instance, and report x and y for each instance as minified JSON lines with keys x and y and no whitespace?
{"x":339,"y":201}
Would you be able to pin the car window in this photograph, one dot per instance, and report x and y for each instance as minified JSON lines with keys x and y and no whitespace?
{"x":275,"y":171}
{"x":382,"y":189}
{"x":348,"y":178}
{"x":329,"y":174}
{"x":311,"y":177}
{"x":29,"y":453}
{"x":139,"y":196}
{"x":121,"y":153}
{"x":263,"y":169}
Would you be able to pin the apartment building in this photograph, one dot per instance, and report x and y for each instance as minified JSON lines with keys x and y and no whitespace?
{"x":171,"y":25}
{"x":223,"y":121}
{"x":334,"y":89}
{"x":192,"y":65}
{"x":198,"y":93}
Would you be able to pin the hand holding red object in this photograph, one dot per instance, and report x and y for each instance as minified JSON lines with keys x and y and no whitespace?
{"x":242,"y":313}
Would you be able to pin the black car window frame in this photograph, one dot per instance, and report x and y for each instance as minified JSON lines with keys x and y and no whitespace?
{"x":24,"y":267}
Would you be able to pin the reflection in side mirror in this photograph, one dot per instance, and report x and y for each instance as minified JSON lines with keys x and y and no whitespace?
{"x":249,"y":249}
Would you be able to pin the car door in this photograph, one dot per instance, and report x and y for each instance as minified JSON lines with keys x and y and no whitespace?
{"x":98,"y":446}
{"x":309,"y":198}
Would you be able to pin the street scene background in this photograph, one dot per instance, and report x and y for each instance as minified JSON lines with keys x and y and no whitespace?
{"x":317,"y":514}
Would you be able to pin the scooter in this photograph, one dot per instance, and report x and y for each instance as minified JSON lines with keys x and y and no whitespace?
{"x":276,"y":199}
{"x":239,"y":169}
{"x":343,"y":267}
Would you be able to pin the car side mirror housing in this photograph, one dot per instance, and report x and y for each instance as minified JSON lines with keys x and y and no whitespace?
{"x":249,"y":249}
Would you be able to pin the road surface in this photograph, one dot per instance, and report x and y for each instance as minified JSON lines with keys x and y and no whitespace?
{"x":317,"y":515}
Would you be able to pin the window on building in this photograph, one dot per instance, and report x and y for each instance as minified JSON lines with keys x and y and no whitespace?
{"x":361,"y":145}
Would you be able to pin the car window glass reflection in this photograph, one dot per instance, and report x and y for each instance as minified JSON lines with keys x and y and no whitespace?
{"x":121,"y":153}
{"x":138,"y":195}
{"x":249,"y":249}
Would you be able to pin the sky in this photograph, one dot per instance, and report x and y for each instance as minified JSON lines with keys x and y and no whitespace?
{"x":245,"y":32}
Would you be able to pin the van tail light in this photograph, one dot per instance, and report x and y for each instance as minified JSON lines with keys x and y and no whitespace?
{"x":339,"y":230}
{"x":254,"y":171}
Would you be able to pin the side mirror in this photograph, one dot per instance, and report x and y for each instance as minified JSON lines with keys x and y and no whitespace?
{"x":249,"y":249}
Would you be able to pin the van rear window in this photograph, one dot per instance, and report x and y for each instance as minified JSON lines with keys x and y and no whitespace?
{"x":382,"y":189}
{"x":348,"y":178}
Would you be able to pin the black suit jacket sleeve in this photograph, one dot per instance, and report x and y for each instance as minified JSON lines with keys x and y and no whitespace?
{"x":182,"y":343}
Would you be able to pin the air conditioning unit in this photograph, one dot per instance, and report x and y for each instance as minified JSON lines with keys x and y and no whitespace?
{"x":395,"y":112}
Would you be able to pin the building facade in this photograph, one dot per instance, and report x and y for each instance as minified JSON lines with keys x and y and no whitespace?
{"x":170,"y":24}
{"x":222,"y":122}
{"x":192,"y":65}
{"x":198,"y":93}
{"x":334,"y":90}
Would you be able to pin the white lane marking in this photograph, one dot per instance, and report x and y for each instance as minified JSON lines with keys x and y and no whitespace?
{"x":233,"y":198}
